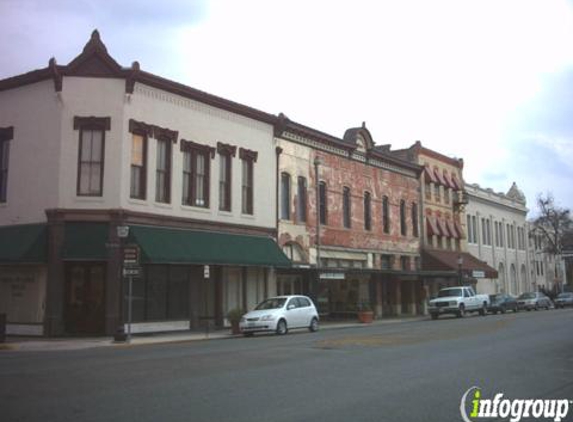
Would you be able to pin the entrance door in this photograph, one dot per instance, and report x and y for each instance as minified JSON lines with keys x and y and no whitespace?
{"x":85,"y":299}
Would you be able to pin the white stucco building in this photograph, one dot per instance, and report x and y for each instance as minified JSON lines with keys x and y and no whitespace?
{"x":497,"y":232}
{"x":90,"y":146}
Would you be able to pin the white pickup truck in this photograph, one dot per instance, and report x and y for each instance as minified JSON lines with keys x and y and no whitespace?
{"x":458,"y":301}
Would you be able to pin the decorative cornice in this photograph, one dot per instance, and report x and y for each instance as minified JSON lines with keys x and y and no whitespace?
{"x":164,"y":133}
{"x":140,"y":128}
{"x":190,"y":145}
{"x":103,"y":123}
{"x":247,"y":154}
{"x":6,"y":133}
{"x":226,"y":149}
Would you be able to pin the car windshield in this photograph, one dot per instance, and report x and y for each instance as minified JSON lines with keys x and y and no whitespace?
{"x":273,"y":303}
{"x":450,"y":293}
{"x":496,"y":298}
{"x":527,"y":296}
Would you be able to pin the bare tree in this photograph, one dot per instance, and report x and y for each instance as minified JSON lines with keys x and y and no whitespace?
{"x":554,"y":223}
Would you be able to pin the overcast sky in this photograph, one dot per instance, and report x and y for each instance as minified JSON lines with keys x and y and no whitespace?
{"x":488,"y":81}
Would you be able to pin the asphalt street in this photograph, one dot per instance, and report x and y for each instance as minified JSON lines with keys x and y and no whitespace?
{"x":411,"y":371}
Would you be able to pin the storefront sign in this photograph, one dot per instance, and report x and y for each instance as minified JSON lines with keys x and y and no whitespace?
{"x":478,"y":274}
{"x":131,"y":255}
{"x":332,"y":276}
{"x":132,"y":272}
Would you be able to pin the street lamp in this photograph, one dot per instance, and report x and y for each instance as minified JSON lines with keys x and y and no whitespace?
{"x":460,"y":275}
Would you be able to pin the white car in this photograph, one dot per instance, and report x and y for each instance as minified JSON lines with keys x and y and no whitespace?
{"x":280,"y":314}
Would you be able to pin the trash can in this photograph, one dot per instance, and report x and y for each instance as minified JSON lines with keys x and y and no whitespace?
{"x":2,"y":328}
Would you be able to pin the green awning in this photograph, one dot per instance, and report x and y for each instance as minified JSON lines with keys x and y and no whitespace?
{"x":26,"y":243}
{"x":173,"y":246}
{"x":85,"y":241}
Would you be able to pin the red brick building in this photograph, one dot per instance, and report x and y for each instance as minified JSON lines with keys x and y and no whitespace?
{"x":362,"y":248}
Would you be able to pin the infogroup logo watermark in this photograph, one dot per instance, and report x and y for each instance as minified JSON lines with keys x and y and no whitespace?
{"x":474,"y":407}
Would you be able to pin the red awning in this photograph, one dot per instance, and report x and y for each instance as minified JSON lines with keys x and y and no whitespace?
{"x":429,"y":175}
{"x":452,"y":229}
{"x":440,"y":177}
{"x":432,"y":227}
{"x":456,"y":183}
{"x":443,"y":227}
{"x":449,"y":182}
{"x":444,"y":260}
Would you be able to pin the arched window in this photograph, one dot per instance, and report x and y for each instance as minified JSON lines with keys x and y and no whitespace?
{"x":385,"y":215}
{"x":322,"y":199}
{"x":403,"y":228}
{"x":285,"y":196}
{"x":346,"y":208}
{"x":367,"y":211}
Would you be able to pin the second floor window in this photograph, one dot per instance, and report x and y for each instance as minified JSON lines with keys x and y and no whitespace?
{"x":247,"y":187}
{"x":403,"y":229}
{"x":301,"y":199}
{"x":367,"y":211}
{"x":196,"y":166}
{"x":90,"y":171}
{"x":6,"y":134}
{"x":346,"y":208}
{"x":385,"y":215}
{"x":163,"y":171}
{"x":322,"y":200}
{"x":285,"y":196}
{"x":415,"y":230}
{"x":138,"y":166}
{"x":225,"y":182}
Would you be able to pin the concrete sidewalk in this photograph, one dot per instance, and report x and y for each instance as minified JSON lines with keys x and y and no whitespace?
{"x":14,"y":343}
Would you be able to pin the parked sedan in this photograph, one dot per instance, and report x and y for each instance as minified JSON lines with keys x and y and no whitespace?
{"x":502,"y":303}
{"x":533,"y":300}
{"x":564,"y":299}
{"x":280,"y":314}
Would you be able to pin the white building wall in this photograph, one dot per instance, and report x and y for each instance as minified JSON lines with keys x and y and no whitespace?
{"x":34,"y":112}
{"x":496,"y":207}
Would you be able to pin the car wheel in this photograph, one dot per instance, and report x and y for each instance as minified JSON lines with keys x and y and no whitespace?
{"x":515,"y":309}
{"x":462,"y":311}
{"x":434,"y":316}
{"x":503,"y":309}
{"x":282,"y":327}
{"x":313,"y":325}
{"x":483,"y":310}
{"x":494,"y":312}
{"x":536,"y":307}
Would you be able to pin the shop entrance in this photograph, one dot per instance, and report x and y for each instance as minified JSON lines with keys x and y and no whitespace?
{"x":84,"y":312}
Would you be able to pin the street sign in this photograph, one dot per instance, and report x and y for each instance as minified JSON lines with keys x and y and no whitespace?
{"x":206,"y":271}
{"x":131,"y":255}
{"x":132,"y":272}
{"x":122,"y":231}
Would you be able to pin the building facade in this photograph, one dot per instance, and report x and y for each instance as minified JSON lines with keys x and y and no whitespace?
{"x":445,"y":258}
{"x":349,"y":218}
{"x":91,"y":146}
{"x":498,"y":233}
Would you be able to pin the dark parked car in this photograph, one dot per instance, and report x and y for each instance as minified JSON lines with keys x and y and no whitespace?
{"x":564,"y":299}
{"x":533,"y":300}
{"x":502,"y":303}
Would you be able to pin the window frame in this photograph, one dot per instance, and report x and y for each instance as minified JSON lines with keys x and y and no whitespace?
{"x":82,"y":124}
{"x":193,"y":150}
{"x":386,"y":215}
{"x":165,"y":186}
{"x":367,"y":211}
{"x":346,"y":208}
{"x":415,"y":220}
{"x":323,"y":202}
{"x":248,"y":160}
{"x":6,"y":136}
{"x":226,"y":153}
{"x":403,"y":222}
{"x":302,"y":199}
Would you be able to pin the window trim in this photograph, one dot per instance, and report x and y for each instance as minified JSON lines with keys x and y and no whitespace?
{"x":229,"y":152}
{"x":346,"y":207}
{"x":146,"y":131}
{"x":92,"y":123}
{"x":367,"y":211}
{"x":168,"y":171}
{"x":195,"y":149}
{"x":6,"y":135}
{"x":247,"y":198}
